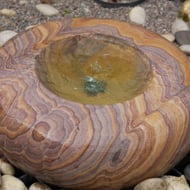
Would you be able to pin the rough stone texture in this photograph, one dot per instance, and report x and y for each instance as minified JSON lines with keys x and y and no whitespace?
{"x":182,"y":37}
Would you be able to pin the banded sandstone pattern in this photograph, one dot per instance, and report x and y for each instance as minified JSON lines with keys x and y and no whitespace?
{"x":93,"y":146}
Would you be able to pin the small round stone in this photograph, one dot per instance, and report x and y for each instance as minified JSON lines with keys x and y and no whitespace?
{"x":23,"y":2}
{"x":8,"y":12}
{"x":185,"y":48}
{"x":6,"y":35}
{"x":138,"y":15}
{"x":182,"y":37}
{"x":6,"y":168}
{"x":11,"y":183}
{"x":150,"y":184}
{"x":176,"y":183}
{"x":179,"y":25}
{"x":39,"y":186}
{"x":184,"y":11}
{"x":28,"y":27}
{"x":170,"y":37}
{"x":47,"y":9}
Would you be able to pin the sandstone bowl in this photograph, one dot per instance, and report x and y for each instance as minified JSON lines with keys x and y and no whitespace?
{"x":93,"y":103}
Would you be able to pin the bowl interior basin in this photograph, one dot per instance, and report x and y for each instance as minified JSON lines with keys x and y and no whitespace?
{"x":93,"y":69}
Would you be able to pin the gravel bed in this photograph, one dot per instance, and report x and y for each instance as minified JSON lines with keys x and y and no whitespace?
{"x":160,"y":14}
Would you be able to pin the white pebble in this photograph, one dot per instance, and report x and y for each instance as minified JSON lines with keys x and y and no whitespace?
{"x":28,"y":27}
{"x":23,"y":2}
{"x":6,"y":35}
{"x":169,"y":37}
{"x":11,"y":183}
{"x":164,"y":183}
{"x":137,"y":15}
{"x":6,"y":168}
{"x":47,"y":10}
{"x":39,"y":186}
{"x":185,"y":48}
{"x":176,"y":183}
{"x":151,"y":184}
{"x":8,"y":12}
{"x":179,"y":25}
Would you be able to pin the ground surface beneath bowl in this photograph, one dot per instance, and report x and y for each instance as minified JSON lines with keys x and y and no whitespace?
{"x":160,"y":14}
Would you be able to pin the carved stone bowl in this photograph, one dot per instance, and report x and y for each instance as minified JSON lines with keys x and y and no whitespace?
{"x":93,"y":104}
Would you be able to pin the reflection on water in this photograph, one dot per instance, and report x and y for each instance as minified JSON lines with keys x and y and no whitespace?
{"x":93,"y":69}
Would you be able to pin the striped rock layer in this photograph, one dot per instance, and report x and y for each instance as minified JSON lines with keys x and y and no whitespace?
{"x":84,"y":146}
